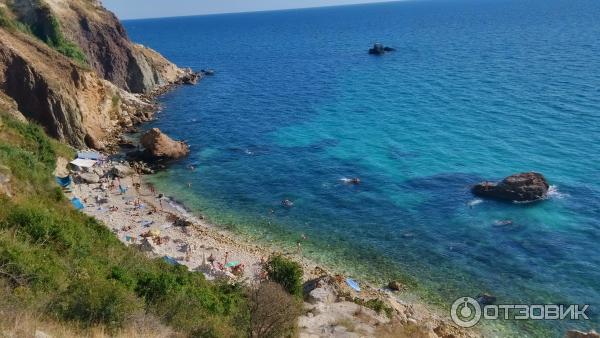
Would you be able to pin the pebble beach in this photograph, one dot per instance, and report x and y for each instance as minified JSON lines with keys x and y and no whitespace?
{"x":113,"y":193}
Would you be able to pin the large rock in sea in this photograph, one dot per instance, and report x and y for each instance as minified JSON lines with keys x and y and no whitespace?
{"x":379,"y":49}
{"x":579,"y":334}
{"x":523,"y":187}
{"x":159,"y":145}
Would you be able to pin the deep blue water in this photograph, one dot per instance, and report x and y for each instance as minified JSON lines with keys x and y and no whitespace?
{"x":477,"y":90}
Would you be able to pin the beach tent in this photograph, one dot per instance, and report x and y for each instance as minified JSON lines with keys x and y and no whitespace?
{"x":80,"y":163}
{"x":63,"y":181}
{"x":77,"y":203}
{"x":89,"y":155}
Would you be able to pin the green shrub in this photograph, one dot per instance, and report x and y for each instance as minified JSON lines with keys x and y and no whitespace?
{"x":72,"y":268}
{"x":32,"y":139}
{"x":376,"y":305}
{"x":97,"y":301}
{"x":119,"y":274}
{"x":286,"y":273}
{"x":5,"y":21}
{"x":273,"y":312}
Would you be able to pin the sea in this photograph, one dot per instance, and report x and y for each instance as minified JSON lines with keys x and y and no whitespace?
{"x":476,"y":90}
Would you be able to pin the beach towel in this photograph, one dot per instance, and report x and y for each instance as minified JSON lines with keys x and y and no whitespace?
{"x":77,"y":203}
{"x":232,"y":264}
{"x":63,"y":181}
{"x":353,"y":284}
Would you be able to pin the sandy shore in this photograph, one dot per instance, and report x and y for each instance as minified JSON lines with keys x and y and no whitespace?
{"x":138,"y":215}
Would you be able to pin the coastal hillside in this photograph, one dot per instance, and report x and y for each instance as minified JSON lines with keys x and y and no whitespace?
{"x":66,"y":274}
{"x":69,"y":66}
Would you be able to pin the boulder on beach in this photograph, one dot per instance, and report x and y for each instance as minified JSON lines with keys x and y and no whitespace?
{"x":324,"y":294}
{"x":121,"y":170}
{"x":523,"y":187}
{"x":159,"y":145}
{"x":89,"y":178}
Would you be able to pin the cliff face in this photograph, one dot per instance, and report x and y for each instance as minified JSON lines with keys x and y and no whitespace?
{"x":108,"y":49}
{"x":69,"y":66}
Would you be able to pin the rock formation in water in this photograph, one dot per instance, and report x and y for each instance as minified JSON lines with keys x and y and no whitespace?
{"x":69,"y":66}
{"x":159,"y":145}
{"x":524,"y":187}
{"x":580,"y":334}
{"x":379,"y":49}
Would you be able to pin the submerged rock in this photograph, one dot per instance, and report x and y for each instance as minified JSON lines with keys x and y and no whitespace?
{"x":208,"y":72}
{"x":159,"y":145}
{"x":486,"y":299}
{"x":396,"y":286}
{"x":523,"y":187}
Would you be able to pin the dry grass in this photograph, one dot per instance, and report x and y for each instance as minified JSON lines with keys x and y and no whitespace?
{"x":23,"y":324}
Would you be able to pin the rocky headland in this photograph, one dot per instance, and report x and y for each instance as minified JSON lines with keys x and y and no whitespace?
{"x":69,"y":66}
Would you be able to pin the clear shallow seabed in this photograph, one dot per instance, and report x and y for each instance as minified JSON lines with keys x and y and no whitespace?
{"x":477,"y":90}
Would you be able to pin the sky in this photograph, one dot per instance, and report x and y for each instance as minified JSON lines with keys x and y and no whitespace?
{"x":136,"y":9}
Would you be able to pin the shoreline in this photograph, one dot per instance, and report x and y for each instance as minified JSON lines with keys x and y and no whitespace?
{"x":138,"y":218}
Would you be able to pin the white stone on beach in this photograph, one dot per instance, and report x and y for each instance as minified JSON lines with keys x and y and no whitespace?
{"x":121,"y":170}
{"x":323,"y":294}
{"x":89,"y":178}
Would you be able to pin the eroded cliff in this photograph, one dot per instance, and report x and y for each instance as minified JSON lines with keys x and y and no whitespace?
{"x":69,"y":66}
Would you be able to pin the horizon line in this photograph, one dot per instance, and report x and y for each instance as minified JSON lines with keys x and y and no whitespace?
{"x":262,"y":10}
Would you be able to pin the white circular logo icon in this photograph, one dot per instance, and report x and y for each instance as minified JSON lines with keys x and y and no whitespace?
{"x":465,"y":312}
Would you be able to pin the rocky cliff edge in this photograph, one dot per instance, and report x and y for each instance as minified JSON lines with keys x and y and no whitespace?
{"x":69,"y":66}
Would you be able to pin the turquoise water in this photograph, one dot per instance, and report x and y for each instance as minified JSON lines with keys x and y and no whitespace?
{"x":477,"y":90}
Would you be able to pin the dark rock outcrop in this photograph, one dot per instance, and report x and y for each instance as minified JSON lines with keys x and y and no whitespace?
{"x":85,"y":97}
{"x":160,"y":146}
{"x":379,"y":49}
{"x":396,"y":286}
{"x":579,"y":334}
{"x":103,"y":40}
{"x":189,"y":78}
{"x":486,"y":299}
{"x":524,"y":187}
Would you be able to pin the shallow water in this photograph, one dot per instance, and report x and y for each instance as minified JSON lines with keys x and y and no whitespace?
{"x":477,"y":90}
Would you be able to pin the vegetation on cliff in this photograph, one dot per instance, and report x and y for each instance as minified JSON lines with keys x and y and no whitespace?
{"x":62,"y":265}
{"x":45,"y":27}
{"x":65,"y":265}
